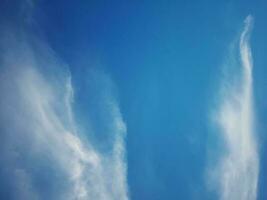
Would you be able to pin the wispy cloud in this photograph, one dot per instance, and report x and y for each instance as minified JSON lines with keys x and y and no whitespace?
{"x":237,"y":170}
{"x":44,"y":154}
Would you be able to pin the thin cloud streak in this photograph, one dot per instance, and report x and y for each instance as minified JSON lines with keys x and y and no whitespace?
{"x":237,"y":170}
{"x":40,"y":134}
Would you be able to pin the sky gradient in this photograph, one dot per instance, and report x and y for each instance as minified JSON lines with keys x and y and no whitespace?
{"x":133,"y":100}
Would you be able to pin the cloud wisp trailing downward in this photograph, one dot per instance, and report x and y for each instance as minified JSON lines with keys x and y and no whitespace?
{"x":237,"y":170}
{"x":44,"y":155}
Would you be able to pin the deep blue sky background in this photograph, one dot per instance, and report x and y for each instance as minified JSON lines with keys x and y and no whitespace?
{"x":165,"y":59}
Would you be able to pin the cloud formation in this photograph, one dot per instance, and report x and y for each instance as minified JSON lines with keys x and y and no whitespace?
{"x":238,"y":168}
{"x":44,"y":155}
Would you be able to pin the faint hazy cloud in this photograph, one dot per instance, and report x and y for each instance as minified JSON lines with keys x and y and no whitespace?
{"x":46,"y":154}
{"x":236,"y":173}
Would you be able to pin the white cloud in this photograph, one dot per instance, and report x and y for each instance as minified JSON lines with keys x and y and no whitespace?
{"x":238,"y":168}
{"x":40,"y":135}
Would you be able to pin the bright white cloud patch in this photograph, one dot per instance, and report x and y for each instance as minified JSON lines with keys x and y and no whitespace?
{"x":43,"y":153}
{"x":237,"y":171}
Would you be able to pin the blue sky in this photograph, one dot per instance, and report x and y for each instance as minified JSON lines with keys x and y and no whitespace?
{"x":144,"y":93}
